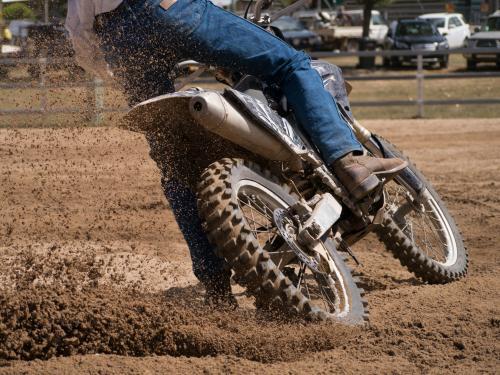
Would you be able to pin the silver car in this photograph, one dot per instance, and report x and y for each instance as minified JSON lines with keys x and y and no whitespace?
{"x":489,"y":37}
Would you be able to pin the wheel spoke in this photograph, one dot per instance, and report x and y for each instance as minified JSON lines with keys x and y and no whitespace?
{"x":301,"y":274}
{"x":282,"y":256}
{"x":328,"y":302}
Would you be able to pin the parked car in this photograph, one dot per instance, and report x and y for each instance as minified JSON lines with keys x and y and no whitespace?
{"x":296,"y":34}
{"x":414,"y":35}
{"x":450,"y":25}
{"x":19,"y":31}
{"x":489,"y":37}
{"x":321,"y":23}
{"x":8,"y":51}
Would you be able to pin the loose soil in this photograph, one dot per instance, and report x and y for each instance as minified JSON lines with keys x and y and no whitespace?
{"x":95,"y":276}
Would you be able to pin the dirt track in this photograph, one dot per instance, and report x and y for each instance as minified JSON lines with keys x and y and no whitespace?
{"x":88,"y":248}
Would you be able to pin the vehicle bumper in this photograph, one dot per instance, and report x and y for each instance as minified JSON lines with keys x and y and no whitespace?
{"x":426,"y":59}
{"x":483,"y":57}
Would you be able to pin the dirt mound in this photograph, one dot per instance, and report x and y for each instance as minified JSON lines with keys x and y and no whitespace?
{"x":60,"y":301}
{"x":42,"y":322}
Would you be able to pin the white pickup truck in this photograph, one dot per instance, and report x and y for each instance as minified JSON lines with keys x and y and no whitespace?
{"x":344,"y":35}
{"x":354,"y":31}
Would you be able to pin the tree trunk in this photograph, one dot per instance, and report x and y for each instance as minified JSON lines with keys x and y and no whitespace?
{"x":1,"y":24}
{"x":367,"y":16}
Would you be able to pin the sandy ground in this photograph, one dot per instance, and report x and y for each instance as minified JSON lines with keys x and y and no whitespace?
{"x":95,"y":277}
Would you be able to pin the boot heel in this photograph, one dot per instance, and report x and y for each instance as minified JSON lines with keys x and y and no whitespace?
{"x":365,"y":187}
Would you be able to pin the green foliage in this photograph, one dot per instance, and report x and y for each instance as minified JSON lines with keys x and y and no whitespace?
{"x":17,"y":11}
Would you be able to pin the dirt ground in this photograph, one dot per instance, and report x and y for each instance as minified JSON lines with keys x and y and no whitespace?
{"x":95,"y":276}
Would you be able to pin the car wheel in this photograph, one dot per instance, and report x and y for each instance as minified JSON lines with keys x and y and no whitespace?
{"x":471,"y":64}
{"x":443,"y":63}
{"x":3,"y":72}
{"x":352,"y":45}
{"x":396,"y":63}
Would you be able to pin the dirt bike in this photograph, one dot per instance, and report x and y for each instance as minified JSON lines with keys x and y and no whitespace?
{"x":279,"y":216}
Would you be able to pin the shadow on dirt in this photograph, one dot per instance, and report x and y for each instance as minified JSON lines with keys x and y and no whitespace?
{"x":371,"y":284}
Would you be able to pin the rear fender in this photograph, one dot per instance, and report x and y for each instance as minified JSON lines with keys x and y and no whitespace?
{"x":165,"y":111}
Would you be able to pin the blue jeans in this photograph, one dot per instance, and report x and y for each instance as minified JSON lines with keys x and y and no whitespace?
{"x":142,"y":42}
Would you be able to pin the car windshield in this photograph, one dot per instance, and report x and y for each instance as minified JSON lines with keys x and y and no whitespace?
{"x":288,"y":24}
{"x":415,"y":29}
{"x":377,"y":19}
{"x":494,"y":24}
{"x":437,"y":22}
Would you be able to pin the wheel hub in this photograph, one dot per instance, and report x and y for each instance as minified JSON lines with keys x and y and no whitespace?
{"x":285,"y":223}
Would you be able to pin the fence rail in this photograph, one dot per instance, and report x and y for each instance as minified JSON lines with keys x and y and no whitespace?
{"x":98,"y":86}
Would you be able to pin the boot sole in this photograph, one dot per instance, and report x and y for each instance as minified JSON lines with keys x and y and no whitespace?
{"x":390,"y":174}
{"x":373,"y":181}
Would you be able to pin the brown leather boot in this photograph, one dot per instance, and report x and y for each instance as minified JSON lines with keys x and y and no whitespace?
{"x":360,"y":174}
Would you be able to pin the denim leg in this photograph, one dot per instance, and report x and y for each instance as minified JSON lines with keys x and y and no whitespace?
{"x":217,"y":37}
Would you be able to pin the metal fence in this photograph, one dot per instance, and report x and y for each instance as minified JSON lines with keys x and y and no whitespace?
{"x":98,"y":107}
{"x":420,"y":56}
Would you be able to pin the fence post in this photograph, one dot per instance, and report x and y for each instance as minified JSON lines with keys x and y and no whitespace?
{"x":420,"y":86}
{"x":98,"y":100}
{"x":42,"y":62}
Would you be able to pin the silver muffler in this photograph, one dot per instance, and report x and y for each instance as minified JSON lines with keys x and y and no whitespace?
{"x":212,"y":111}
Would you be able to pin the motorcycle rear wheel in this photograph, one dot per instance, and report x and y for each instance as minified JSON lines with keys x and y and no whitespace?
{"x":236,"y":200}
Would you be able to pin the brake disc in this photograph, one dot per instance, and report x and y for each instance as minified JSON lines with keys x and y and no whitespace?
{"x":285,"y":223}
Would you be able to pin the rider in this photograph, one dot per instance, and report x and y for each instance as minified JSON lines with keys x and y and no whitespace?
{"x":140,"y":41}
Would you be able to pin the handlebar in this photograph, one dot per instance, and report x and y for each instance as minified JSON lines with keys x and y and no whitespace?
{"x":261,"y":5}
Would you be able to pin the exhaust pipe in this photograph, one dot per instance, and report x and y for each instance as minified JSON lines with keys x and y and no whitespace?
{"x":212,"y":111}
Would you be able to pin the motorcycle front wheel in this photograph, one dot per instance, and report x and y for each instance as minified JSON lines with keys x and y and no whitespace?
{"x":420,"y":231}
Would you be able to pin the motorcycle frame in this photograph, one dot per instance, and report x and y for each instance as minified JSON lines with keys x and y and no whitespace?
{"x":309,"y":160}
